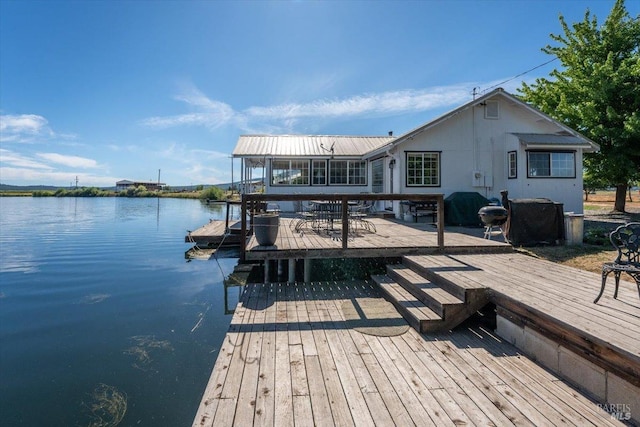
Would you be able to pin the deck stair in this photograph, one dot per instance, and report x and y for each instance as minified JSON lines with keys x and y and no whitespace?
{"x":428,"y":301}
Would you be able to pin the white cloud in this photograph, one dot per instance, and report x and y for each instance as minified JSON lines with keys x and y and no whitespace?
{"x":214,"y":114}
{"x":71,"y":161}
{"x":18,"y":160}
{"x":24,"y":128}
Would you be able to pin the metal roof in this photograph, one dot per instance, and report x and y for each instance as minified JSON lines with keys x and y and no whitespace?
{"x":544,"y":139}
{"x":307,"y":145}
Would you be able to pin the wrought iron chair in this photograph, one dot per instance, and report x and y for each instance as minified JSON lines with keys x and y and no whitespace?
{"x":626,"y":239}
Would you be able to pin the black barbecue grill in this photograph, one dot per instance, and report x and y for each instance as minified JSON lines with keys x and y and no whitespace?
{"x":492,"y":216}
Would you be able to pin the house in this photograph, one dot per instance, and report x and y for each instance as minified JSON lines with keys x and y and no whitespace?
{"x":495,"y":142}
{"x":149,"y":185}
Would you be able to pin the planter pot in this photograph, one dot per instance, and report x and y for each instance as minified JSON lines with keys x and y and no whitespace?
{"x":265,"y":227}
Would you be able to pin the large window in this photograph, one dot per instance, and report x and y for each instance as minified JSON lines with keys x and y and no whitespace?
{"x":423,"y":169}
{"x":377,"y":176}
{"x":289,"y":172}
{"x":347,"y":172}
{"x":319,"y":172}
{"x":551,"y":164}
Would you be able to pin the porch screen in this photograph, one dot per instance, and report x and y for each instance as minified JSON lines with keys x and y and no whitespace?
{"x":289,"y":172}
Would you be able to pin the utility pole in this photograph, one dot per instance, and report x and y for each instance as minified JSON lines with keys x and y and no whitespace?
{"x":231,"y":157}
{"x":76,"y":182}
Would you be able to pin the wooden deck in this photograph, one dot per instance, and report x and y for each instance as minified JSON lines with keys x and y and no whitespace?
{"x":557,"y":301}
{"x":214,"y":234}
{"x":392,"y":238}
{"x":294,"y":355}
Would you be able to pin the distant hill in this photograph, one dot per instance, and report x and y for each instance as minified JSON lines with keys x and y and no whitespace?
{"x":5,"y":187}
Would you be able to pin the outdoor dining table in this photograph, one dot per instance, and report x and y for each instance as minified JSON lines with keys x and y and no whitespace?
{"x":326,"y":212}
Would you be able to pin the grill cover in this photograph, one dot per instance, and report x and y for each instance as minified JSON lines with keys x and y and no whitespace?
{"x":534,"y":222}
{"x":461,"y":208}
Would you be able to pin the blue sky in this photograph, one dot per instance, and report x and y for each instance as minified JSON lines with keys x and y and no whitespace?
{"x":111,"y":90}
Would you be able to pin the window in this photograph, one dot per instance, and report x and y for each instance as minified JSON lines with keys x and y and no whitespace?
{"x":347,"y":172}
{"x":289,"y":172}
{"x":423,"y":169}
{"x":551,"y":164}
{"x":319,"y":172}
{"x":377,"y":176}
{"x":513,"y":164}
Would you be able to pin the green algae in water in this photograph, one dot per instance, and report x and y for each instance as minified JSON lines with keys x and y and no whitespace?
{"x":108,"y":406}
{"x":144,"y":346}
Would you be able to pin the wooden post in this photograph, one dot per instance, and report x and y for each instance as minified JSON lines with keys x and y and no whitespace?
{"x":345,"y":221}
{"x":292,"y":270}
{"x":266,"y":270}
{"x":243,"y":228}
{"x":307,"y":270}
{"x":440,"y":220}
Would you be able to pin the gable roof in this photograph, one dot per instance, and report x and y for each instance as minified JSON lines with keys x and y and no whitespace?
{"x":307,"y":145}
{"x":585,"y":142}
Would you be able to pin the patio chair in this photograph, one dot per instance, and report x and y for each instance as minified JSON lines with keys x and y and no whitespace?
{"x":626,"y":239}
{"x":306,"y":216}
{"x":358,"y":215}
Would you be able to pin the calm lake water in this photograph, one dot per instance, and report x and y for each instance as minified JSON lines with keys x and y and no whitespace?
{"x":99,"y":307}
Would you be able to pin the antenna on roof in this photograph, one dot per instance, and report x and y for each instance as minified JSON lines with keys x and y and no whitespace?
{"x":328,"y":150}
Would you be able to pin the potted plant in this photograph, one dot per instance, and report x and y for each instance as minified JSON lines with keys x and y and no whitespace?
{"x":265,"y":227}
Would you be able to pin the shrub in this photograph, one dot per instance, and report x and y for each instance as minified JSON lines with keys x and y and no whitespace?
{"x":212,"y":193}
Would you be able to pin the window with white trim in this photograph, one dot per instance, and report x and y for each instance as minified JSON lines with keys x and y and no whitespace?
{"x":347,"y":172}
{"x":423,"y":169}
{"x":289,"y":172}
{"x":551,"y":164}
{"x":319,"y":172}
{"x":513,"y":164}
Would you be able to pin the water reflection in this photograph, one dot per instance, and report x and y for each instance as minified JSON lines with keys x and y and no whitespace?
{"x":110,"y":325}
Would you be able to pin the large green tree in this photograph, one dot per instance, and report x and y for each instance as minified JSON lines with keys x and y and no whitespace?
{"x":597,"y":92}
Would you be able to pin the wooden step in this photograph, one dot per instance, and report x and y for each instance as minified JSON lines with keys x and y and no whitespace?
{"x":432,"y":295}
{"x":415,"y":312}
{"x":444,"y":270}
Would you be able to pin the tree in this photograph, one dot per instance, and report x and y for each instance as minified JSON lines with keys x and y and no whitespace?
{"x":597,"y":92}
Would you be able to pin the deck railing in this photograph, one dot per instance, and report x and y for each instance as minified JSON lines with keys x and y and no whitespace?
{"x":252,"y":200}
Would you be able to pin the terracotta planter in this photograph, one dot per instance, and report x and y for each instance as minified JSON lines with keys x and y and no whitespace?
{"x":265,"y":227}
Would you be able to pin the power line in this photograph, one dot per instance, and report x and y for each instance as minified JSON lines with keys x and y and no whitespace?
{"x":516,"y":76}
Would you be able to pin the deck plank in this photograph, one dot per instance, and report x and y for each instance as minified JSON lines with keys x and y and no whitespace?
{"x":337,"y":375}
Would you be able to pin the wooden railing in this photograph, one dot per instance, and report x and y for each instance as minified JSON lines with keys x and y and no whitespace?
{"x":252,"y":200}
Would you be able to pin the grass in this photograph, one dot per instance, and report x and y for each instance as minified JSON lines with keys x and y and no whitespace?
{"x":585,"y":257}
{"x":597,"y":248}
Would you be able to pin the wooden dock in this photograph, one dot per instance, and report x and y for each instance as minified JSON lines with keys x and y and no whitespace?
{"x":339,"y":354}
{"x":392,"y":238}
{"x":215,"y":233}
{"x":296,"y":355}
